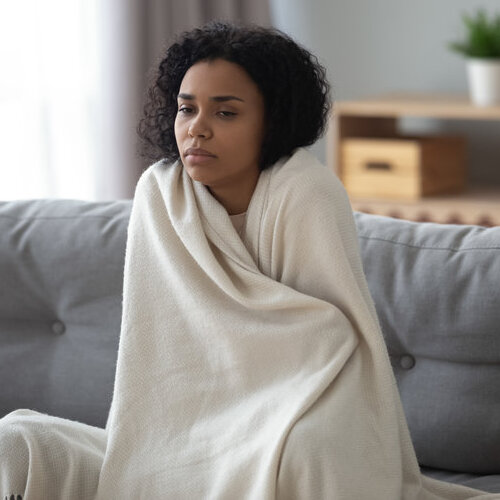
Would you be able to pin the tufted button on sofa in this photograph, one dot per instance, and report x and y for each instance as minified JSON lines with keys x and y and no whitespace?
{"x":436,"y":289}
{"x":58,"y":327}
{"x":407,"y":362}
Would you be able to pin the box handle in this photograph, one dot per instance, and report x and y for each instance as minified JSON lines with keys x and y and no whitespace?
{"x":378,"y":165}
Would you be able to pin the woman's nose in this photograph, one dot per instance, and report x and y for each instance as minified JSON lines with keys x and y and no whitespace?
{"x":199,"y":127}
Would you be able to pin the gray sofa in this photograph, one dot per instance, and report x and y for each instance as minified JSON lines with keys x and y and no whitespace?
{"x":436,"y":289}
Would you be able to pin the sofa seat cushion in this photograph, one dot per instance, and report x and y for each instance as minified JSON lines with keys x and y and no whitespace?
{"x":437,"y":293}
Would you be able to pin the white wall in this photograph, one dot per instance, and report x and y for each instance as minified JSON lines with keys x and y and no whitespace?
{"x":378,"y":46}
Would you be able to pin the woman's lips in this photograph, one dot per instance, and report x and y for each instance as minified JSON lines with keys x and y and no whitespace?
{"x":197,"y":156}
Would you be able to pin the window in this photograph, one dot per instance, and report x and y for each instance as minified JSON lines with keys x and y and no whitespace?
{"x":49,"y":120}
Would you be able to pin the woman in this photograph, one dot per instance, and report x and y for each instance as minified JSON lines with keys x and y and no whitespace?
{"x":287,"y":98}
{"x":251,"y":363}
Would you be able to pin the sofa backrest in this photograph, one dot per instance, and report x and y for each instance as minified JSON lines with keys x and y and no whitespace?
{"x":61,"y":266}
{"x":437,"y":293}
{"x":435,"y":287}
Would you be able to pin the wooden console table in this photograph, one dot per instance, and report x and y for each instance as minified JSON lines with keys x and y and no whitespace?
{"x":378,"y":118}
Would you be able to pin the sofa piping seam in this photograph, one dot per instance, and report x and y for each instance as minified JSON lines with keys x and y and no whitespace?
{"x":49,"y":217}
{"x":421,"y":247}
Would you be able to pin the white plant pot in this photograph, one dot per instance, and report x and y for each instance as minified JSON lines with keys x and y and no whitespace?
{"x":484,"y":81}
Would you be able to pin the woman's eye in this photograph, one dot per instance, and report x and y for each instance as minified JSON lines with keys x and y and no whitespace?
{"x":184,"y":109}
{"x":226,"y":114}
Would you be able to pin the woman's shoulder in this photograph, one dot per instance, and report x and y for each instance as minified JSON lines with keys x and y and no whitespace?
{"x":302,"y":178}
{"x":161,"y":169}
{"x":156,"y":178}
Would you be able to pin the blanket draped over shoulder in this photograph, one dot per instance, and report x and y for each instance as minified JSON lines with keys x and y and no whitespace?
{"x":253,"y":367}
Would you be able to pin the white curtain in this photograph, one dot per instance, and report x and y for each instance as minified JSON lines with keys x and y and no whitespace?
{"x":48,"y":98}
{"x":73,"y":74}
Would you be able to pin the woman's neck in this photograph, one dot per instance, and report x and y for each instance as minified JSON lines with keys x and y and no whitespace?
{"x":234,"y":201}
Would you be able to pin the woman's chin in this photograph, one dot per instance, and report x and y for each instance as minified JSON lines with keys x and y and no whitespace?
{"x":197,"y":174}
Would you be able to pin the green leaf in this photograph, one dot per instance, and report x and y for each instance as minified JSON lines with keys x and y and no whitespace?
{"x":482,"y":36}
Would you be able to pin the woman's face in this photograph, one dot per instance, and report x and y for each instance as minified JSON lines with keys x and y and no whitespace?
{"x":219,"y":129}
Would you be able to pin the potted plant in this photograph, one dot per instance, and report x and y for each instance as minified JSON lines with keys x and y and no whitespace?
{"x":481,"y":47}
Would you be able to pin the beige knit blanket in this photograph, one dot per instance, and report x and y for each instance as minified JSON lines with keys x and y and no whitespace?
{"x":252,"y":369}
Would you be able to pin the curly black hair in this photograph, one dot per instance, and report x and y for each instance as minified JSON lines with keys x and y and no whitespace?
{"x":292,"y":82}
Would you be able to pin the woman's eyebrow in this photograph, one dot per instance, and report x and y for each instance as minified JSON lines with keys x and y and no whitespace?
{"x":218,"y":98}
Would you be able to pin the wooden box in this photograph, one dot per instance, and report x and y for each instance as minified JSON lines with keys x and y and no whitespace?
{"x":402,"y":167}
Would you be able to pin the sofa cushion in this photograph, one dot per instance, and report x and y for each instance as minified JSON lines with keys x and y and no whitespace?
{"x":437,"y":293}
{"x":61,"y":268}
{"x":435,"y":288}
